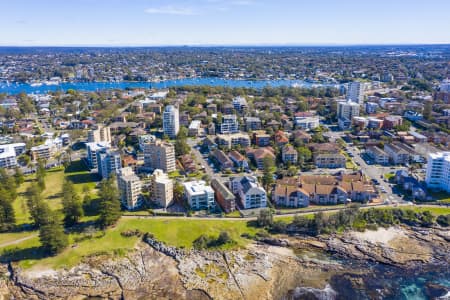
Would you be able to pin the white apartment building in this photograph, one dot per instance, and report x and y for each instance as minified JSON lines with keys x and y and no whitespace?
{"x":438,"y":171}
{"x":161,"y":189}
{"x":229,"y":124}
{"x":159,"y":155}
{"x":171,"y":121}
{"x":232,"y":140}
{"x":130,"y":188}
{"x":249,"y":192}
{"x":194,"y":128}
{"x":199,"y":195}
{"x":92,"y":149}
{"x":355,"y":92}
{"x":445,"y":85}
{"x":240,"y":103}
{"x":108,"y":162}
{"x":101,"y":134}
{"x":9,"y":153}
{"x":307,"y":122}
{"x":347,"y":110}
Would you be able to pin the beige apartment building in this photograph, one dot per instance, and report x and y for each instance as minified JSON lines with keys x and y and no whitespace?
{"x":130,"y":188}
{"x":161,"y":189}
{"x":101,"y":134}
{"x":159,"y":155}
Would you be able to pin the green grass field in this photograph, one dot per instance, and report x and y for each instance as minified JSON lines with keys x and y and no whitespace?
{"x":438,"y":210}
{"x":179,"y":232}
{"x":442,"y":197}
{"x":174,"y":232}
{"x":77,"y":173}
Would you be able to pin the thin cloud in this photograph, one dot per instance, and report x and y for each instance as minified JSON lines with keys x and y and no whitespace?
{"x":242,"y":2}
{"x":172,"y":10}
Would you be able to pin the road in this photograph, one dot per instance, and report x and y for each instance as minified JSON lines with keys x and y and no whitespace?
{"x":275,"y":215}
{"x":376,"y":172}
{"x":199,"y":158}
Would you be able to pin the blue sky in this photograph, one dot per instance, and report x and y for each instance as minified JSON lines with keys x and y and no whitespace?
{"x":231,"y":22}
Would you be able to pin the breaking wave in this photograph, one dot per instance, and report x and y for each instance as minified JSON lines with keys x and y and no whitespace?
{"x":311,"y":293}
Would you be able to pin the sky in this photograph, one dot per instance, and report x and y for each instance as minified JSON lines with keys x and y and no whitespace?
{"x":223,"y":22}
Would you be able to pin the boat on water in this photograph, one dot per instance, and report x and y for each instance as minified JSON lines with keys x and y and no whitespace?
{"x":36,"y":84}
{"x":51,"y":82}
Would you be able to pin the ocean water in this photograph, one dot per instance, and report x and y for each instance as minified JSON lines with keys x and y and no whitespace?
{"x":371,"y":280}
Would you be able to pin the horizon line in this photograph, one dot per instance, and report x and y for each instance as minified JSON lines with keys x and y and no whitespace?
{"x":222,"y":45}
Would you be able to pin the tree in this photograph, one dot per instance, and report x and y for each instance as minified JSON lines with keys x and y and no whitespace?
{"x":72,"y":207}
{"x":52,"y":235}
{"x":7,"y":216}
{"x":265,"y":218}
{"x":40,"y":175}
{"x":304,"y":155}
{"x":223,"y":238}
{"x":427,"y":110}
{"x":178,"y":192}
{"x":181,"y":146}
{"x":267,"y":178}
{"x":109,"y":207}
{"x":319,"y":223}
{"x":18,"y":176}
{"x":38,"y":209}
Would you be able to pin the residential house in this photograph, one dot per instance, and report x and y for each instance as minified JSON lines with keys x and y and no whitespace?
{"x":378,"y":155}
{"x":287,"y":193}
{"x":258,"y":155}
{"x":188,"y":163}
{"x":301,"y":136}
{"x":397,"y":155}
{"x":330,"y":160}
{"x":252,"y":123}
{"x":280,"y":138}
{"x":238,"y":159}
{"x":289,"y":154}
{"x":261,"y":138}
{"x":323,"y":190}
{"x":222,"y":159}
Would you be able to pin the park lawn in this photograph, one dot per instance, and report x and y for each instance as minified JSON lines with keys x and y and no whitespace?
{"x":436,"y":211}
{"x":389,"y":176}
{"x":8,"y":237}
{"x":234,"y":214}
{"x":442,"y":197}
{"x":174,"y":232}
{"x":77,"y":173}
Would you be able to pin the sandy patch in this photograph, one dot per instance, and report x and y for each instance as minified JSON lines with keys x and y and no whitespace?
{"x":380,"y":236}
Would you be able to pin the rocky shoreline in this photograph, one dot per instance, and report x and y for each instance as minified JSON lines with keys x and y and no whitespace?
{"x":264,"y":270}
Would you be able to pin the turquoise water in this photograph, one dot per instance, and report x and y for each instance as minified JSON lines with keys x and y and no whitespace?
{"x":371,"y":280}
{"x":14,"y":88}
{"x":392,"y":283}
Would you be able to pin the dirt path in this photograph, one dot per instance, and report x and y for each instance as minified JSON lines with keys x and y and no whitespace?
{"x":18,"y":240}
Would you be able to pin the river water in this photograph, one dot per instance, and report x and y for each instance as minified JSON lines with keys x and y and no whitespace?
{"x":15,"y":88}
